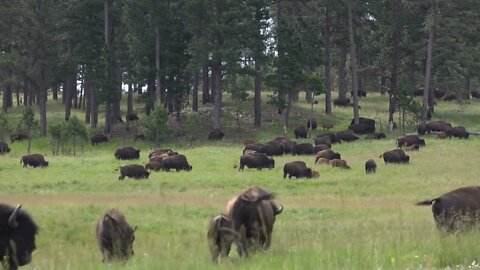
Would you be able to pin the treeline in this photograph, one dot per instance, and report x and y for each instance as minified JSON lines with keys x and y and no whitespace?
{"x":190,"y":52}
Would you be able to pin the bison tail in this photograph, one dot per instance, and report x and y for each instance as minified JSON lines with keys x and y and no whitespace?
{"x":380,"y":156}
{"x":116,"y":169}
{"x":424,"y":203}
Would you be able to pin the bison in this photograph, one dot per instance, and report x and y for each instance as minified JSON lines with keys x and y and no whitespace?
{"x":257,"y":160}
{"x":18,"y":137}
{"x":367,"y":121}
{"x":450,"y":97}
{"x":131,"y":117}
{"x":127,"y":153}
{"x":302,"y":149}
{"x":340,"y":163}
{"x":34,"y":160}
{"x":216,"y":135}
{"x":323,"y":140}
{"x":18,"y":232}
{"x":4,"y":148}
{"x":347,"y":136}
{"x":287,"y":146}
{"x":321,"y":161}
{"x":153,"y":166}
{"x":328,"y":154}
{"x":177,"y":162}
{"x":133,"y":171}
{"x":439,"y":94}
{"x":312,"y":124}
{"x":375,"y":136}
{"x":248,"y":141}
{"x":320,"y":147}
{"x":437,"y":126}
{"x":115,"y":236}
{"x":297,"y":169}
{"x":361,"y":128}
{"x":457,"y":210}
{"x":409,"y":140}
{"x":162,"y":153}
{"x":441,"y":135}
{"x":98,"y":138}
{"x":221,"y":236}
{"x":300,"y":132}
{"x":370,"y":166}
{"x":333,"y":137}
{"x":327,"y":125}
{"x":396,"y":156}
{"x":341,"y":102}
{"x":475,"y":94}
{"x":457,"y":132}
{"x":272,"y":149}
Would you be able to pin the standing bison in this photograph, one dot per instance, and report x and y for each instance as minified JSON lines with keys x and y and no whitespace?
{"x":34,"y":160}
{"x":133,"y":171}
{"x":18,"y":232}
{"x":4,"y":148}
{"x":396,"y":156}
{"x":127,"y":153}
{"x":221,"y":236}
{"x":216,"y":135}
{"x":302,"y":149}
{"x":256,"y":160}
{"x":312,"y":123}
{"x":300,"y":132}
{"x":375,"y":136}
{"x":115,"y":236}
{"x":370,"y":166}
{"x":177,"y":162}
{"x":457,"y":132}
{"x":98,"y":138}
{"x":131,"y":117}
{"x":410,"y":140}
{"x":361,"y":128}
{"x":18,"y":137}
{"x":456,"y":210}
{"x":297,"y":169}
{"x":339,"y":163}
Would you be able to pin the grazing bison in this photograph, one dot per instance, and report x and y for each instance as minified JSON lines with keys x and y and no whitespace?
{"x":361,"y":128}
{"x":98,"y":138}
{"x":300,"y":132}
{"x":257,"y":160}
{"x":302,"y":149}
{"x":216,"y":135}
{"x":253,"y":215}
{"x":153,"y":166}
{"x":18,"y":137}
{"x":296,"y":169}
{"x":321,"y":161}
{"x":221,"y":236}
{"x":18,"y":232}
{"x":409,"y":140}
{"x":333,"y":137}
{"x":341,"y":102}
{"x":456,"y":210}
{"x":328,"y":154}
{"x":272,"y":149}
{"x":133,"y":171}
{"x":347,"y":136}
{"x":370,"y":166}
{"x":441,"y":135}
{"x":115,"y":236}
{"x":177,"y":162}
{"x":375,"y":136}
{"x":323,"y":140}
{"x":127,"y":153}
{"x":287,"y":146}
{"x":396,"y":156}
{"x":34,"y":160}
{"x":131,"y":117}
{"x":327,"y":125}
{"x":422,"y":129}
{"x":4,"y":148}
{"x":457,"y":132}
{"x":340,"y":163}
{"x":312,"y":123}
{"x":437,"y":126}
{"x":320,"y":147}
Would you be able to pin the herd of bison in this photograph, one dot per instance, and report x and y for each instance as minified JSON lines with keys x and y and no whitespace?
{"x":250,"y":216}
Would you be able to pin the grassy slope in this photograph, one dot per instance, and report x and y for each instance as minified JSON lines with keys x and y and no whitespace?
{"x":342,"y":220}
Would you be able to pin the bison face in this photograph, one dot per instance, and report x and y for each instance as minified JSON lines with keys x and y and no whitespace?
{"x":25,"y":245}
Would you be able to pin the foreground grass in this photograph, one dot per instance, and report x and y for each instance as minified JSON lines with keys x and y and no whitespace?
{"x":343,"y":220}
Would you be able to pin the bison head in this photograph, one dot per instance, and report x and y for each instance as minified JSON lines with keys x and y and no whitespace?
{"x":18,"y":242}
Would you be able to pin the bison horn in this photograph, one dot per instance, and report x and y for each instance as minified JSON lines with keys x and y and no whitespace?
{"x":279,"y":210}
{"x":135,"y":228}
{"x":12,"y":220}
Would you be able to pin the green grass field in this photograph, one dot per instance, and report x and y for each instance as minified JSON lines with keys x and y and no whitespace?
{"x":342,"y":220}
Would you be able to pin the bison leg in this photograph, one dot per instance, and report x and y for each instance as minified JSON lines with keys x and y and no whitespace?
{"x":121,"y":177}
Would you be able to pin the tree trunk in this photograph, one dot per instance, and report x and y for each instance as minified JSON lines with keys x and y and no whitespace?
{"x":116,"y":114}
{"x":55,"y":92}
{"x":342,"y":73}
{"x":151,"y":93}
{"x":217,"y":77}
{"x":17,"y":93}
{"x":412,"y":81}
{"x":80,"y":98}
{"x":87,"y":99}
{"x":109,"y":69}
{"x":42,"y":102}
{"x":195,"y":92}
{"x":328,"y":64}
{"x":427,"y":97}
{"x":205,"y":85}
{"x":158,"y":89}
{"x":7,"y":96}
{"x":213,"y":86}
{"x":257,"y":118}
{"x":394,"y":60}
{"x":383,"y":85}
{"x":353,"y":56}
{"x":25,"y":92}
{"x":129,"y":104}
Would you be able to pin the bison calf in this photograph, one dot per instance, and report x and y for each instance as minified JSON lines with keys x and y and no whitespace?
{"x":221,"y":236}
{"x":127,"y":153}
{"x":115,"y":236}
{"x":340,"y":163}
{"x":297,"y":169}
{"x":34,"y":160}
{"x":133,"y":171}
{"x":370,"y":166}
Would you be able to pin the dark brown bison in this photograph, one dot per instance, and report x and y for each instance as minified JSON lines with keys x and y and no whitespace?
{"x":328,"y":154}
{"x":131,"y":117}
{"x":457,"y":132}
{"x":340,"y":163}
{"x":257,"y":160}
{"x":153,"y":166}
{"x":302,"y":149}
{"x":177,"y":162}
{"x":370,"y":166}
{"x":409,"y":140}
{"x":127,"y":153}
{"x":347,"y":136}
{"x":216,"y":135}
{"x":4,"y":148}
{"x":18,"y":137}
{"x":367,"y":121}
{"x":312,"y":123}
{"x":287,"y":146}
{"x":375,"y":136}
{"x":457,"y":210}
{"x":361,"y":128}
{"x":221,"y":235}
{"x":253,"y":215}
{"x":437,"y":126}
{"x":18,"y":232}
{"x":34,"y":160}
{"x":133,"y":171}
{"x":475,"y":94}
{"x":341,"y":102}
{"x":115,"y":236}
{"x":327,"y":125}
{"x":396,"y":156}
{"x":418,"y":93}
{"x":297,"y":169}
{"x":300,"y":132}
{"x":333,"y":137}
{"x":439,"y":94}
{"x":450,"y":97}
{"x":98,"y":138}
{"x":272,"y":149}
{"x":323,"y":140}
{"x":320,"y":147}
{"x":422,"y":129}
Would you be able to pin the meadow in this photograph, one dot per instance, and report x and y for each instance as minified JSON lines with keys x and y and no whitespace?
{"x":342,"y":220}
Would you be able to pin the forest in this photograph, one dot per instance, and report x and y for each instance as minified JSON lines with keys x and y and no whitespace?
{"x":181,"y":55}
